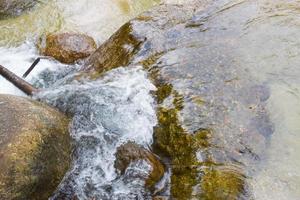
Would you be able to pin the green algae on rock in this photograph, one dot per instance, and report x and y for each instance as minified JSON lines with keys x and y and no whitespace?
{"x":116,"y":51}
{"x":35,"y":148}
{"x":170,"y":139}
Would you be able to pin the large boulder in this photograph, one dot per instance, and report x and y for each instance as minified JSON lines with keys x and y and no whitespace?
{"x":67,"y":47}
{"x":15,"y":7}
{"x":35,"y":149}
{"x":131,"y":152}
{"x":213,"y":123}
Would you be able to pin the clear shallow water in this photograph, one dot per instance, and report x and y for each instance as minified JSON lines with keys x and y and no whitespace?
{"x":269,"y":47}
{"x":279,"y":177}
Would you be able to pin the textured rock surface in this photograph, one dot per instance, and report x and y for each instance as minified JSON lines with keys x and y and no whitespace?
{"x":35,"y":149}
{"x":68,"y":47}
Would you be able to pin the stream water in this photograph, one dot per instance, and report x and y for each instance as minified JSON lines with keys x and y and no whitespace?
{"x":119,"y":107}
{"x":107,"y":113}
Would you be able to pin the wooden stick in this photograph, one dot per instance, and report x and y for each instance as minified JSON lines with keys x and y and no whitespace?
{"x":26,"y":87}
{"x":31,"y":67}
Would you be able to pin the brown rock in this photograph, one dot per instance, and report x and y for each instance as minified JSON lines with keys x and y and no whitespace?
{"x":68,"y":47}
{"x":35,"y":148}
{"x":131,"y":152}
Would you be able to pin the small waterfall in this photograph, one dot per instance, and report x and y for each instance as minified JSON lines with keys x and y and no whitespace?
{"x":106,"y":113}
{"x":18,"y":60}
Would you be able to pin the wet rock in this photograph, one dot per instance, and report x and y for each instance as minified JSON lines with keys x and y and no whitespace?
{"x":35,"y":148}
{"x":212,"y":116}
{"x":122,"y":46}
{"x":67,"y":47}
{"x":116,"y":51}
{"x":15,"y":7}
{"x":131,"y":152}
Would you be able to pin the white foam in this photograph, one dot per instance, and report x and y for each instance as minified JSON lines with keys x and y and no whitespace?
{"x":18,"y":60}
{"x":107,"y":113}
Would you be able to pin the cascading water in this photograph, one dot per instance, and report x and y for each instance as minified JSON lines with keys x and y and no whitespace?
{"x":107,"y":113}
{"x":119,"y":107}
{"x":19,"y":59}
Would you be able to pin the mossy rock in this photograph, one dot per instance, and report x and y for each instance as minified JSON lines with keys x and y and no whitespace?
{"x":35,"y":149}
{"x":220,"y":182}
{"x":115,"y":52}
{"x":212,"y":180}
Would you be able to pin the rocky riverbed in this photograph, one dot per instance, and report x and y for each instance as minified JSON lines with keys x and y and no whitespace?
{"x":188,"y":100}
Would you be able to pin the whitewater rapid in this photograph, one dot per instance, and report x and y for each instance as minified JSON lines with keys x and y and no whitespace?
{"x":120,"y":107}
{"x":106,"y":114}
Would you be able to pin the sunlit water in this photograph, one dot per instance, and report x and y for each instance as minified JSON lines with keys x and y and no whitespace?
{"x":270,"y":48}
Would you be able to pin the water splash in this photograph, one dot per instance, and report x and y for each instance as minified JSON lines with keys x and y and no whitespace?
{"x":18,"y":60}
{"x":107,"y":113}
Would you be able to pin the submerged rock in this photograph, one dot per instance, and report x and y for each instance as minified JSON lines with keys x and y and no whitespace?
{"x":213,"y":121}
{"x":68,"y":47}
{"x":131,"y":152}
{"x":15,"y":7}
{"x":35,"y":148}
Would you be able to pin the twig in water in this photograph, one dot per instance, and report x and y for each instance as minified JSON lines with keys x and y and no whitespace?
{"x":31,"y":67}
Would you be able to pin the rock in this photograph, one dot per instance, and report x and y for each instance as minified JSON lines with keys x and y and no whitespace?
{"x":15,"y":7}
{"x":213,"y":121}
{"x":68,"y":47}
{"x":122,"y":46}
{"x":131,"y":152}
{"x":35,"y":148}
{"x":116,"y":51}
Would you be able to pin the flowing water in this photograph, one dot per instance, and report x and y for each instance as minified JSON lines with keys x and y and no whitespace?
{"x":119,"y":107}
{"x":107,"y":113}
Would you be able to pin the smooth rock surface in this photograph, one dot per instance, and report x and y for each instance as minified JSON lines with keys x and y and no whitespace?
{"x":35,"y":149}
{"x":68,"y":47}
